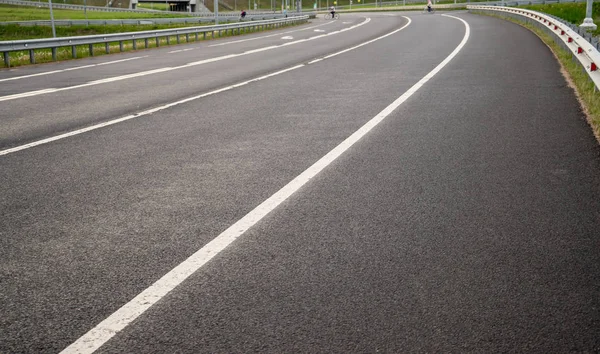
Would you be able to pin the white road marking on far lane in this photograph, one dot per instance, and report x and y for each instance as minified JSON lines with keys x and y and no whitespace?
{"x":155,"y":71}
{"x":70,"y":69}
{"x":268,"y":36}
{"x":287,"y":37}
{"x":116,"y":322}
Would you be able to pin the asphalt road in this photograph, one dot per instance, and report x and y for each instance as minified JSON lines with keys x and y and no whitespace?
{"x":466,"y":218}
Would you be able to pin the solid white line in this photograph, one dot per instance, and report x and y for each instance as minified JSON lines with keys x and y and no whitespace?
{"x":150,"y":72}
{"x":70,"y":69}
{"x":120,"y":319}
{"x":271,"y":35}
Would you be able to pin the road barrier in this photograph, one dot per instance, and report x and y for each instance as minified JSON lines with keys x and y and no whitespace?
{"x":54,"y":43}
{"x":148,"y":21}
{"x":566,"y":34}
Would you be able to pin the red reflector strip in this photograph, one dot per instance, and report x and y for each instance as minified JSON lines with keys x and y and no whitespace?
{"x":579,"y":50}
{"x":593,"y":67}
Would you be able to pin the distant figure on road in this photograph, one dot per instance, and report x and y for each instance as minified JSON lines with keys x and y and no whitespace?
{"x":332,"y":10}
{"x":285,"y":12}
{"x":429,"y":5}
{"x":243,"y":14}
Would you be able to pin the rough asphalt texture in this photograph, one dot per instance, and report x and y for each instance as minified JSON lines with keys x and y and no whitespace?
{"x":467,"y":221}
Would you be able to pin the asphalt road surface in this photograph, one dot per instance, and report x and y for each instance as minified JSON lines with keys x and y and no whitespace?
{"x":395,"y":182}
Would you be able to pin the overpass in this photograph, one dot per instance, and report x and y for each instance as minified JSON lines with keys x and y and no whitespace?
{"x":177,"y":5}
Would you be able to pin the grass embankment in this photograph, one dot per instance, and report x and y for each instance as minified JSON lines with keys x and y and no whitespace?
{"x":578,"y":79}
{"x":18,"y":13}
{"x":573,"y":13}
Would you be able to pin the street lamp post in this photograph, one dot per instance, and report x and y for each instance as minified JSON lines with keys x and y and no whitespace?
{"x":588,"y":22}
{"x":52,"y":19}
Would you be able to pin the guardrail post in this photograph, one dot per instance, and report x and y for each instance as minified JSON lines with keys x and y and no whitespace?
{"x":107,"y":47}
{"x":146,"y":42}
{"x":204,"y":33}
{"x":6,"y":59}
{"x":91,"y":48}
{"x":157,"y":42}
{"x":134,"y":44}
{"x":31,"y":56}
{"x":54,"y":54}
{"x":187,"y":37}
{"x":121,"y":46}
{"x":73,"y":51}
{"x":168,"y":40}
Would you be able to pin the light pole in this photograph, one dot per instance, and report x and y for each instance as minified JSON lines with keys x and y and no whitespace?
{"x":52,"y":19}
{"x":216,"y":11}
{"x":588,"y":22}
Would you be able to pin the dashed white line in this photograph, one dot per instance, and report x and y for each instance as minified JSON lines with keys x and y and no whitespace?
{"x":70,"y":69}
{"x":155,"y":71}
{"x":271,"y":35}
{"x":120,"y":319}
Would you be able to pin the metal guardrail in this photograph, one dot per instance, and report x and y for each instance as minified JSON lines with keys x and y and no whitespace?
{"x":587,"y":55}
{"x":31,"y":45}
{"x":145,"y":21}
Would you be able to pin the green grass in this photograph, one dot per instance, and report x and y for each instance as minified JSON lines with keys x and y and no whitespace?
{"x":573,"y":13}
{"x":16,"y":32}
{"x":151,"y":6}
{"x":18,"y":13}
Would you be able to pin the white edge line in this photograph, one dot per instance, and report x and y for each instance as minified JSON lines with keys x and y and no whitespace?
{"x":120,"y":319}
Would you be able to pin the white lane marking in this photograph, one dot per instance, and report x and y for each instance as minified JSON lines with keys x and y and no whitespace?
{"x":120,"y":319}
{"x":271,"y":35}
{"x":180,"y":50}
{"x":319,"y":30}
{"x":91,"y":83}
{"x":345,"y":23}
{"x":70,"y":69}
{"x":140,"y":114}
{"x":287,"y":37}
{"x":150,"y":72}
{"x":136,"y":115}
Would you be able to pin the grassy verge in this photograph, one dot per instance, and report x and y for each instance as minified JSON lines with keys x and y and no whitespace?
{"x":16,"y":32}
{"x":20,"y":13}
{"x":21,"y":58}
{"x":573,"y":13}
{"x":579,"y":80}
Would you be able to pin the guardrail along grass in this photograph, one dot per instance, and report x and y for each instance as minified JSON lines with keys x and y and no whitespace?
{"x":578,"y":79}
{"x":16,"y":32}
{"x":20,"y":58}
{"x":573,"y":13}
{"x":28,"y":13}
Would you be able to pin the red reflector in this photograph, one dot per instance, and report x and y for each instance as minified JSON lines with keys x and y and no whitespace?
{"x":562,"y":33}
{"x":579,"y":50}
{"x":593,"y":67}
{"x":570,"y":40}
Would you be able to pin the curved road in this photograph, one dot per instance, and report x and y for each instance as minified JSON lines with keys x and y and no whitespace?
{"x":392,"y":182}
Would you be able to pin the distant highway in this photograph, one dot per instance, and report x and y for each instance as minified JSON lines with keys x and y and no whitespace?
{"x":387,"y":182}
